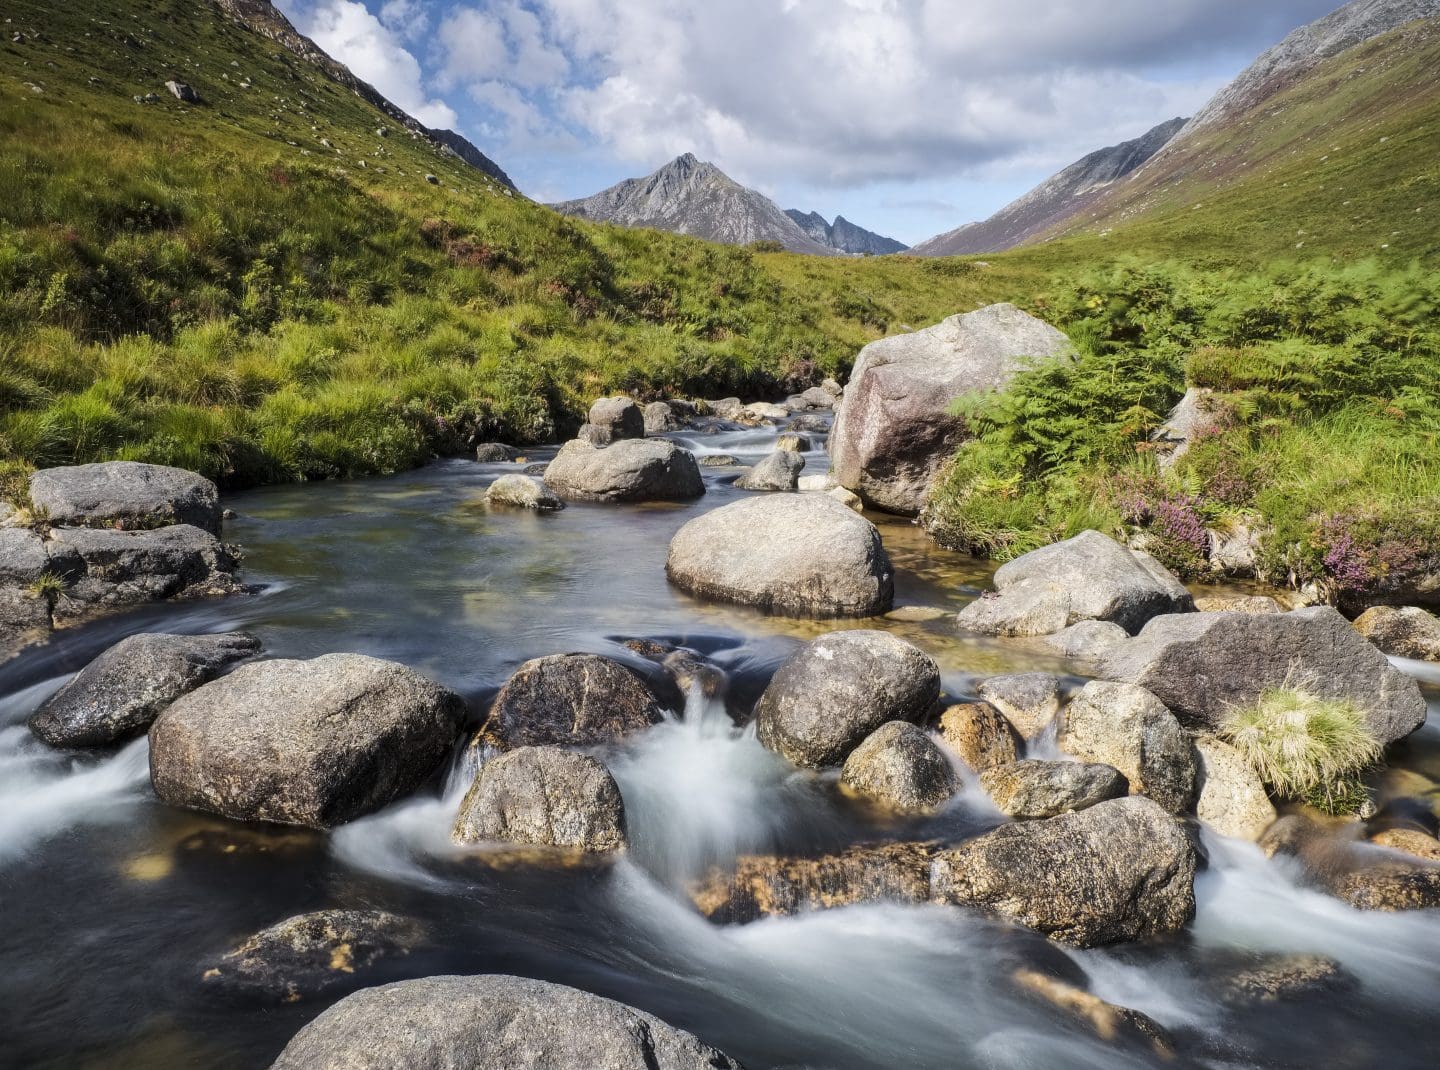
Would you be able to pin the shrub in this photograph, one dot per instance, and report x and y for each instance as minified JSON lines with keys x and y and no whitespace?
{"x":1304,"y":745}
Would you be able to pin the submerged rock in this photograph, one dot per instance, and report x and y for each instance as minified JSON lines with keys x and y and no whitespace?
{"x":900,"y":767}
{"x":1280,"y":978}
{"x":1406,"y":632}
{"x":578,"y":700}
{"x":1232,"y":799}
{"x":544,"y":796}
{"x":125,"y":493}
{"x":1204,"y":665}
{"x":1109,"y":1022}
{"x":105,"y":569}
{"x":1128,"y":727}
{"x":1029,"y":700}
{"x":894,"y":429}
{"x":307,"y":955}
{"x":1032,"y":788}
{"x":122,"y":691}
{"x":1087,"y":577}
{"x":980,"y":735}
{"x":1120,"y":870}
{"x":836,"y":690}
{"x":522,"y":492}
{"x":800,"y":555}
{"x":314,"y":743}
{"x":490,"y":1022}
{"x":780,"y":471}
{"x":1240,"y":603}
{"x":632,"y":470}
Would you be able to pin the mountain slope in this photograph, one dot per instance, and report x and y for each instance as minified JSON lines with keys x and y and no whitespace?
{"x":1054,"y":200}
{"x":690,"y":196}
{"x":843,"y":235}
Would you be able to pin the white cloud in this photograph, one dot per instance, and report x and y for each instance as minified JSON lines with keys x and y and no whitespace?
{"x":351,"y":34}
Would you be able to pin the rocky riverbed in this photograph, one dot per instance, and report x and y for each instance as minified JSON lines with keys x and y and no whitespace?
{"x":685,"y":768}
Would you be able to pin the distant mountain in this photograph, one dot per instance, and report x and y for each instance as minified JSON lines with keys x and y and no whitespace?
{"x":1056,"y":199}
{"x":843,"y":235}
{"x":262,"y":17}
{"x":689,"y":196}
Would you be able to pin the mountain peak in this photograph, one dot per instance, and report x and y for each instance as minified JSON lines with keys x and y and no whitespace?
{"x":843,"y":235}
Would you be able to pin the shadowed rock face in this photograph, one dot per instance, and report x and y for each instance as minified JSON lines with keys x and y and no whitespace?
{"x":576,"y":700}
{"x":491,"y":1022}
{"x":313,"y":743}
{"x":802,"y":555}
{"x":1203,"y":665}
{"x":894,"y":430}
{"x":546,"y":797}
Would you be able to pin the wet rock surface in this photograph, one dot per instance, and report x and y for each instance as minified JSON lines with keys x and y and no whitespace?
{"x":1034,"y":788}
{"x":780,"y":471}
{"x":522,"y":492}
{"x":543,"y":796}
{"x":1406,"y":632}
{"x":1030,"y":701}
{"x":1127,"y":727}
{"x":898,"y":766}
{"x":571,"y":699}
{"x":980,"y":735}
{"x":1232,"y":800}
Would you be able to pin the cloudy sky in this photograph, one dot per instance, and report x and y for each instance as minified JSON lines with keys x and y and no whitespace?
{"x":907,"y":116}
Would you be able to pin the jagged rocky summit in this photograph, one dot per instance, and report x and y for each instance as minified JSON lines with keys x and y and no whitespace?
{"x":843,"y":235}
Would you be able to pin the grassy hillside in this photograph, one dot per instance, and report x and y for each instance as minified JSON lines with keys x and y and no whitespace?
{"x":1342,"y":163}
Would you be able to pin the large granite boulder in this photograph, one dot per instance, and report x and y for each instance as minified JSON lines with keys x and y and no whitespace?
{"x":1128,"y":727}
{"x":579,"y":700}
{"x":899,"y":767}
{"x":1232,"y":799}
{"x":108,"y":569}
{"x":836,"y":690}
{"x":618,"y":417}
{"x":490,"y":1022}
{"x":1401,"y":632}
{"x":1087,"y":577}
{"x":1204,"y":665}
{"x":980,"y":735}
{"x":121,"y":692}
{"x":1034,"y":788}
{"x":894,"y":429}
{"x":660,"y":417}
{"x":798,"y":554}
{"x":543,"y":796}
{"x":778,"y":471}
{"x":312,"y":743}
{"x":632,"y":470}
{"x":310,"y":954}
{"x":125,"y":494}
{"x":1118,"y":871}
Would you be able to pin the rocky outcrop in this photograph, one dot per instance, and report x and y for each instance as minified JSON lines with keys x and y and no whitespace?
{"x":617,"y":418}
{"x":802,"y":555}
{"x":314,"y":743}
{"x":894,"y":430}
{"x":898,"y":766}
{"x":1128,"y":727}
{"x":490,"y":1022}
{"x":1204,"y":665}
{"x":631,"y":470}
{"x":1232,"y":799}
{"x":120,"y":693}
{"x":1087,"y":577}
{"x":836,"y":690}
{"x":577,"y":700}
{"x":780,"y":471}
{"x":1033,"y":788}
{"x":522,"y":492}
{"x":1028,"y":700}
{"x":1120,"y":870}
{"x":125,"y":494}
{"x":843,"y":235}
{"x":980,"y":735}
{"x":23,"y":558}
{"x":543,"y":796}
{"x":1407,"y":632}
{"x":311,"y":954}
{"x":1190,"y":416}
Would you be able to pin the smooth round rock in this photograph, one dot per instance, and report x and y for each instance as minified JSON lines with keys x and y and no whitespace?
{"x":578,"y":700}
{"x":125,"y":493}
{"x":1033,"y":788}
{"x":900,"y":767}
{"x":631,"y":470}
{"x":544,"y":796}
{"x":518,"y":491}
{"x":780,"y":471}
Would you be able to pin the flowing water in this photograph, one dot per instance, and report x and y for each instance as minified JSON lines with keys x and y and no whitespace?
{"x":111,"y":904}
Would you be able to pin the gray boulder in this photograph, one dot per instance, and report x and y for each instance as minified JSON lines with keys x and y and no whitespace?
{"x":1029,"y":700}
{"x":1203,"y":665}
{"x":183,"y":92}
{"x":522,"y":492}
{"x":1087,"y":577}
{"x":780,"y":471}
{"x":1128,"y":727}
{"x":1232,"y":799}
{"x":312,"y":743}
{"x":495,"y":452}
{"x":797,"y":554}
{"x":125,"y":493}
{"x":106,"y":569}
{"x":1120,"y":870}
{"x":816,"y":399}
{"x":719,"y":460}
{"x":121,"y":692}
{"x":900,"y":767}
{"x":1190,"y":417}
{"x":620,"y":417}
{"x":1086,"y":640}
{"x":660,"y":418}
{"x":490,"y":1022}
{"x":980,"y":735}
{"x":807,"y":424}
{"x":23,"y":559}
{"x":579,"y":700}
{"x":310,"y":954}
{"x":543,"y":796}
{"x":894,"y":430}
{"x":1044,"y":789}
{"x":1405,"y":632}
{"x":632,"y":470}
{"x":765,"y":410}
{"x":836,"y":690}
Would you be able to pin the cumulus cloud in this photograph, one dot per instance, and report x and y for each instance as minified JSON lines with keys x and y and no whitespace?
{"x":372,"y":50}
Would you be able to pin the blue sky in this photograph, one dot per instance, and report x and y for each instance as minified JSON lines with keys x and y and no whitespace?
{"x":909,"y":117}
